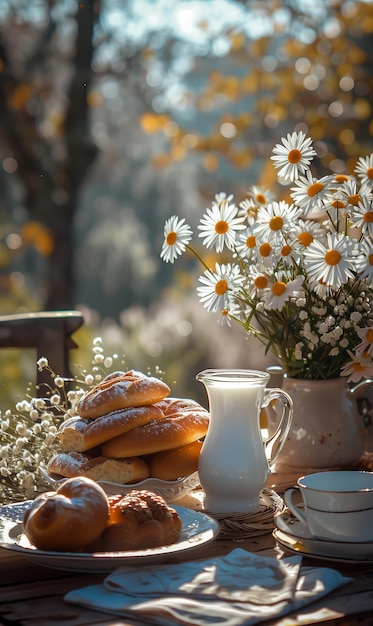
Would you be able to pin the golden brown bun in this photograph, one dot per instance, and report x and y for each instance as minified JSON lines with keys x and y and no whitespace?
{"x":173,"y":464}
{"x":68,"y":519}
{"x":121,"y":390}
{"x":121,"y":471}
{"x":184,"y":422}
{"x":78,"y":434}
{"x":137,"y":521}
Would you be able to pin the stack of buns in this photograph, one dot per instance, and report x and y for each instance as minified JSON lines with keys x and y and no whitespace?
{"x":128,"y":429}
{"x":79,"y":516}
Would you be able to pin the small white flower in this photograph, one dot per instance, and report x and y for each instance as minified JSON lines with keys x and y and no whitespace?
{"x":356,"y":369}
{"x":177,"y":235}
{"x":364,"y":170}
{"x":219,"y":225}
{"x":310,"y":192}
{"x":276,"y":220}
{"x":363,"y":216}
{"x":293,"y":156}
{"x":214,"y":293}
{"x":332,"y":264}
{"x":279,"y":293}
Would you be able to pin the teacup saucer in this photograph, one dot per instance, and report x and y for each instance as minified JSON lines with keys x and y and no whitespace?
{"x":294,"y":537}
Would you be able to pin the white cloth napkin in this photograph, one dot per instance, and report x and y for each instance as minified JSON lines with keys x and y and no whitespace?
{"x":239,"y":589}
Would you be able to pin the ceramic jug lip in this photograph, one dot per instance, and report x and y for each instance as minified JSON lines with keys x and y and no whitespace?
{"x":233,"y":375}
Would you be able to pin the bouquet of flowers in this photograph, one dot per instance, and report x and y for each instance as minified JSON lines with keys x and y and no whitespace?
{"x":296,"y":273}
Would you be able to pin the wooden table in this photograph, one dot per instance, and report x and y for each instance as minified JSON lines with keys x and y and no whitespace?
{"x":32,"y":595}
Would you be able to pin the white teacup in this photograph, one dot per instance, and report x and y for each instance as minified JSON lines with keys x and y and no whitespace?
{"x":337,"y":505}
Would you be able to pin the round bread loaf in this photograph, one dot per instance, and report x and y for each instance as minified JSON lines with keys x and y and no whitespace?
{"x":184,"y":422}
{"x":78,"y":434}
{"x":121,"y":471}
{"x":121,"y":390}
{"x":68,"y":519}
{"x":176,"y":463}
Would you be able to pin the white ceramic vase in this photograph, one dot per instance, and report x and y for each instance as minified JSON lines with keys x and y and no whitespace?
{"x":327,"y":431}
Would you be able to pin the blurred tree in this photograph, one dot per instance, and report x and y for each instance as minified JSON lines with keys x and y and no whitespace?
{"x":45,"y":130}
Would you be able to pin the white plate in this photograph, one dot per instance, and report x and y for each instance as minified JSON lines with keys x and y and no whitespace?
{"x":197,"y":529}
{"x":170,"y":490}
{"x":293,"y":536}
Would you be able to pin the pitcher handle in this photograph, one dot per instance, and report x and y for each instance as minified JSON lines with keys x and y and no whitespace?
{"x":363,"y":403}
{"x":275,"y":443}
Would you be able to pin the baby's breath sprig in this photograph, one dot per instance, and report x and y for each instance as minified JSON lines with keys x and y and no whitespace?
{"x":28,"y":433}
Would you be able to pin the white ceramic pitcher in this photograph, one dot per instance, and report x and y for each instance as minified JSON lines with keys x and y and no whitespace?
{"x":235,"y":461}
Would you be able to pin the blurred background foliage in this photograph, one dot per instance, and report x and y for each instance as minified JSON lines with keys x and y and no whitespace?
{"x":116,"y":114}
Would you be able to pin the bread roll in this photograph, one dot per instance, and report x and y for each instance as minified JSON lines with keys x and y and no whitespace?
{"x":176,"y":463}
{"x":121,"y":471}
{"x":181,"y":425}
{"x":78,"y":435}
{"x":68,"y":519}
{"x":137,"y":521}
{"x":121,"y":390}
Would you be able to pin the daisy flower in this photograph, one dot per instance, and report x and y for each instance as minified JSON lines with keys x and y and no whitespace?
{"x":363,"y":216}
{"x":219,"y":226}
{"x":214,"y":293}
{"x":293,"y":156}
{"x":332,"y":264}
{"x":276,"y":220}
{"x":246,"y":243}
{"x":306,"y":231}
{"x":366,"y":337}
{"x":276,"y":296}
{"x":310,"y":192}
{"x":260,"y":196}
{"x":364,"y":170}
{"x":366,"y":260}
{"x":248,"y":210}
{"x":222,"y":197}
{"x":349,"y":193}
{"x":356,"y":369}
{"x":177,"y":235}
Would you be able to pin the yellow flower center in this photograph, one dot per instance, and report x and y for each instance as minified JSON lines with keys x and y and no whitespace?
{"x":305,"y":238}
{"x":276,"y":223}
{"x":251,"y":241}
{"x":171,"y":238}
{"x":294,"y":156}
{"x":314,"y":189}
{"x":278,"y":288}
{"x":332,"y":257}
{"x":370,"y":259}
{"x":358,"y":367}
{"x":354,"y":199}
{"x":338,"y":204}
{"x":221,"y":287}
{"x":261,"y":282}
{"x":370,"y":173}
{"x":369,"y":336}
{"x":368,"y":217}
{"x":221,"y":227}
{"x":341,"y":178}
{"x":260,"y":198}
{"x":285,"y":250}
{"x":265,"y":249}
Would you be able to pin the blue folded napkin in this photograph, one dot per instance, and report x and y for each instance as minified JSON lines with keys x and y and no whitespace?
{"x":239,"y":589}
